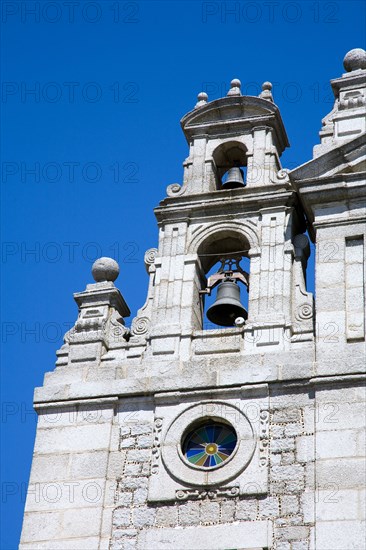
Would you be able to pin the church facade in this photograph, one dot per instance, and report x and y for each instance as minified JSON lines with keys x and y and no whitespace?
{"x":247,"y":432}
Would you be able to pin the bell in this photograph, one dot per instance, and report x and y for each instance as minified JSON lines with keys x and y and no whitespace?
{"x":235,"y":179}
{"x":227,"y":306}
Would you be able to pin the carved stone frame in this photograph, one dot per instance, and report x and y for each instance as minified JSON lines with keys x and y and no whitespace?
{"x":186,"y":472}
{"x":244,"y":473}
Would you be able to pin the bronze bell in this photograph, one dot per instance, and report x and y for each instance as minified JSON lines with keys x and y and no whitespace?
{"x":235,"y":179}
{"x":227,"y":306}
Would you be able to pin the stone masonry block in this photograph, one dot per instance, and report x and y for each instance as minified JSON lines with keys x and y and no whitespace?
{"x":210,"y":512}
{"x":140,"y":496}
{"x":73,"y":439}
{"x":276,"y":431}
{"x":142,"y":517}
{"x":269,"y":507}
{"x":246,"y":509}
{"x":307,"y":500}
{"x":282,"y":445}
{"x":122,"y":517}
{"x":292,"y":430}
{"x":144,"y":441}
{"x":305,"y":451}
{"x":64,"y":494}
{"x":132,"y":469}
{"x":138,"y":456}
{"x":128,"y":442}
{"x":227,"y":511}
{"x":286,"y":473}
{"x":295,"y":485}
{"x":189,"y":514}
{"x":342,"y":473}
{"x":131,"y":483}
{"x":124,"y":499}
{"x":287,"y":458}
{"x":337,"y":505}
{"x":82,"y":522}
{"x":283,"y":545}
{"x":284,"y":416}
{"x":45,"y":466}
{"x":289,"y":520}
{"x":63,"y":544}
{"x":295,"y":532}
{"x":340,"y":416}
{"x":89,"y":465}
{"x":47,"y":523}
{"x":166,"y":516}
{"x":289,"y":505}
{"x":141,"y":429}
{"x":340,"y":535}
{"x":338,"y":443}
{"x":115,"y":464}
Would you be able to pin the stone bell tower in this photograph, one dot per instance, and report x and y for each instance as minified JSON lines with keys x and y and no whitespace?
{"x":173,"y":435}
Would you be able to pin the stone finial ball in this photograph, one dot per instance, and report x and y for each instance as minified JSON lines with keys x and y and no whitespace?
{"x":105,"y":269}
{"x":267,"y":86}
{"x":202,"y":96}
{"x":355,"y":59}
{"x":235,"y":83}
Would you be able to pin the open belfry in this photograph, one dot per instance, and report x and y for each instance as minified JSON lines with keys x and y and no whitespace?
{"x":231,"y":414}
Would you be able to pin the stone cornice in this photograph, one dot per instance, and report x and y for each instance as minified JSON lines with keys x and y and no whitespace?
{"x":187,"y":207}
{"x":240,"y":113}
{"x":56,"y":396}
{"x":343,"y":189}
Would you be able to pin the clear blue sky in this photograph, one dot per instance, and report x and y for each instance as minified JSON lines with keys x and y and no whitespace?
{"x":110,"y":82}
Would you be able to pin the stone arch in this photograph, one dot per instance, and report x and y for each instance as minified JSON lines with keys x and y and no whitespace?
{"x":224,"y":237}
{"x":231,"y":153}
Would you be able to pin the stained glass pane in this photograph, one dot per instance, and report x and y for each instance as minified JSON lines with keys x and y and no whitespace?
{"x":210,"y":444}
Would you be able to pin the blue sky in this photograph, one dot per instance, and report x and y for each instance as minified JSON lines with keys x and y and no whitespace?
{"x":92,"y":96}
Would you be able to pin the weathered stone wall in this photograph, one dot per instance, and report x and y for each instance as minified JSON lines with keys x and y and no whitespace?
{"x":93,"y":464}
{"x":114,"y":411}
{"x":323,"y":423}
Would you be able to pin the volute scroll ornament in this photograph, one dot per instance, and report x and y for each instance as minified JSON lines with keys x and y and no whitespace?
{"x":282,"y":176}
{"x":149,"y":258}
{"x":304,"y":311}
{"x":140,"y":326}
{"x":174,"y":190}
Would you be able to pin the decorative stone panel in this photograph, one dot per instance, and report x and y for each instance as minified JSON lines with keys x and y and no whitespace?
{"x":244,"y":472}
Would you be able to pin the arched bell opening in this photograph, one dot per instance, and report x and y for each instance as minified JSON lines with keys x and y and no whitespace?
{"x":230,"y":160}
{"x":225,"y":292}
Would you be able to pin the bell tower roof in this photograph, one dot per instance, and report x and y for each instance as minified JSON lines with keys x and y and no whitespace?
{"x":234,"y":115}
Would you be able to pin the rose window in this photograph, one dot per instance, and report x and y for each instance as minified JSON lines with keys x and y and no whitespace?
{"x":209,"y":444}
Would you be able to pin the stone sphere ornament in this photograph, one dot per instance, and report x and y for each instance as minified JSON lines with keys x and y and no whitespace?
{"x":267,"y":86}
{"x":105,"y":269}
{"x":235,"y":86}
{"x":202,"y":96}
{"x":354,"y":60}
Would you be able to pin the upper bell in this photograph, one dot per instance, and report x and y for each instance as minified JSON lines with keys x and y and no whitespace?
{"x":227,"y":306}
{"x":235,"y":179}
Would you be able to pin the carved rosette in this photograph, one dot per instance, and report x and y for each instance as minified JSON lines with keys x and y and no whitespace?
{"x":304,"y":312}
{"x":149,"y":258}
{"x":158,"y":425}
{"x":140,"y":326}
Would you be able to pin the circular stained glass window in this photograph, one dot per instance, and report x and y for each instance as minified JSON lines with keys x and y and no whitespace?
{"x":209,"y":444}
